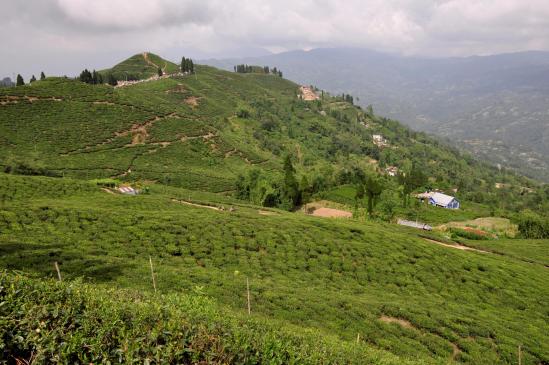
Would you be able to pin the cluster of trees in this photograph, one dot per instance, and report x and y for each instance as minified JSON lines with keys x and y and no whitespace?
{"x":20,"y":81}
{"x":95,"y":78}
{"x":348,"y":98}
{"x":187,"y":65}
{"x":243,"y":69}
{"x":283,"y":192}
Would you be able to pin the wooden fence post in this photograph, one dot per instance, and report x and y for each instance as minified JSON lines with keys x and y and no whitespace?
{"x":248,"y":292}
{"x":57,"y":269}
{"x":152,"y":274}
{"x":520,"y":355}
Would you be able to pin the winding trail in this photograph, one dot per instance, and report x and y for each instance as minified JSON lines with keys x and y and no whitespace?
{"x":456,"y":246}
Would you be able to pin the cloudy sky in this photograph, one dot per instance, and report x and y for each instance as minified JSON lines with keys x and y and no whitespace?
{"x":64,"y":36}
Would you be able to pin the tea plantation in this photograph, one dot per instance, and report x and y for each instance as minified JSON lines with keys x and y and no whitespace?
{"x":341,"y":278}
{"x":212,"y":152}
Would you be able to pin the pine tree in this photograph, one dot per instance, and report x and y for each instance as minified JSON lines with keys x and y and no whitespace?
{"x":111,"y":80}
{"x":86,"y":76}
{"x":160,"y":73}
{"x":191,"y":66}
{"x":42,"y":75}
{"x":33,"y":79}
{"x":20,"y":81}
{"x":94,"y":78}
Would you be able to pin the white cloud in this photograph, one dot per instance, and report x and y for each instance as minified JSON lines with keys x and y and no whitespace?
{"x":103,"y":29}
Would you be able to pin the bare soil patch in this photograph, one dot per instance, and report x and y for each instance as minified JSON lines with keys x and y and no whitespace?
{"x":308,"y":94}
{"x":266,"y":212}
{"x":331,"y":213}
{"x":399,"y":321}
{"x":192,"y":101}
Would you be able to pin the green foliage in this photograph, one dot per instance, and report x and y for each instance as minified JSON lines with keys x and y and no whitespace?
{"x":20,"y":81}
{"x":532,"y":225}
{"x":110,"y":326}
{"x":140,"y":66}
{"x":337,"y":277}
{"x":187,"y":65}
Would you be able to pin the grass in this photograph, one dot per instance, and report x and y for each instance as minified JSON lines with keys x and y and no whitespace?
{"x":335,"y":277}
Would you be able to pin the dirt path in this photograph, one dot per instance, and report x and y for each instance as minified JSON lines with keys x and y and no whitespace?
{"x":195,"y":204}
{"x":12,"y":99}
{"x":456,"y":246}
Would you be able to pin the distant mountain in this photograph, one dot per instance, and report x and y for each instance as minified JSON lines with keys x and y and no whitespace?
{"x":6,"y":82}
{"x":496,"y":106}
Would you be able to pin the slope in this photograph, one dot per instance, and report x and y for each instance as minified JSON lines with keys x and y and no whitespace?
{"x":396,"y":291}
{"x":201,"y":131}
{"x":141,"y":66}
{"x":494,"y":105}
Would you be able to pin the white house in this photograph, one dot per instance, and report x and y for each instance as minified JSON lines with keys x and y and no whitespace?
{"x":379,"y":140}
{"x":444,"y":201}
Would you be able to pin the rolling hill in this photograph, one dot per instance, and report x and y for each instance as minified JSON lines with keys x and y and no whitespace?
{"x":358,"y":290}
{"x":494,"y":106}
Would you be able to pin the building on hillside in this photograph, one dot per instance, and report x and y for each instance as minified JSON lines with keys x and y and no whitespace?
{"x":439,"y":199}
{"x":128,"y":190}
{"x":413,"y":224}
{"x":379,"y":140}
{"x":391,"y":170}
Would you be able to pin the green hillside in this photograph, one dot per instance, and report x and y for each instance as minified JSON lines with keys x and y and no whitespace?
{"x":217,"y":155}
{"x":337,"y":277}
{"x":141,"y":66}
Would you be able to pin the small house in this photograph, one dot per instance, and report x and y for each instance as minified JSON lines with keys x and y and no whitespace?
{"x":128,"y":190}
{"x":379,"y":140}
{"x":444,"y":201}
{"x":392,"y":170}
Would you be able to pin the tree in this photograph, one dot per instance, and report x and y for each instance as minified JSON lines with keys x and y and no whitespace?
{"x":291,"y":193}
{"x":42,"y":75}
{"x":111,"y":80}
{"x":411,"y":181}
{"x":359,"y":194}
{"x":373,"y":189}
{"x":388,"y":203}
{"x":20,"y":81}
{"x":33,"y":79}
{"x":160,"y":73}
{"x":86,"y":76}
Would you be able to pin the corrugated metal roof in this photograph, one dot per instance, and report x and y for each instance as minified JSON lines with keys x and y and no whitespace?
{"x":442,"y":199}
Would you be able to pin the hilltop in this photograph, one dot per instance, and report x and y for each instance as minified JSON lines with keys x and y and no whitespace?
{"x":141,"y":66}
{"x":224,"y":162}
